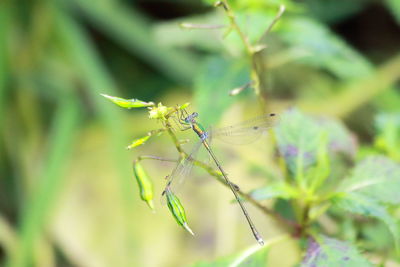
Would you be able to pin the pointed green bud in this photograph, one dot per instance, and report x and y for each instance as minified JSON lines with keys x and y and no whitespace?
{"x":184,"y":105}
{"x":144,"y":183}
{"x":128,"y":103}
{"x":138,"y":142}
{"x":177,"y":210}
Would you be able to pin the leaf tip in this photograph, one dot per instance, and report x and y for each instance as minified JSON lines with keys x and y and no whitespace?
{"x":187,"y":228}
{"x":151,"y":205}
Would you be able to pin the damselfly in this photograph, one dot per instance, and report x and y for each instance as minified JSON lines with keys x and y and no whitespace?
{"x":241,"y":133}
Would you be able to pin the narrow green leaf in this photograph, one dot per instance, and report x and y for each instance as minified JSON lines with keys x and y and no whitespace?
{"x":128,"y":103}
{"x":50,"y":183}
{"x":130,"y":28}
{"x":145,"y":184}
{"x":394,"y":7}
{"x":278,"y":190}
{"x":138,"y":142}
{"x":377,"y":177}
{"x":177,"y":210}
{"x":329,"y":252}
{"x":255,"y":256}
{"x":326,"y":49}
{"x":367,"y":206}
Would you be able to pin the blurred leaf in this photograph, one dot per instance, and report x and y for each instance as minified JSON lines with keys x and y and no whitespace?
{"x":326,"y":50}
{"x":132,"y":30}
{"x":255,"y":256}
{"x":340,"y":138}
{"x":4,"y":64}
{"x":299,"y":138}
{"x":169,"y":34}
{"x":213,"y":83}
{"x":367,"y":206}
{"x":278,"y":190}
{"x":334,"y":11}
{"x":8,"y":237}
{"x":377,"y":236}
{"x":329,"y":252}
{"x":38,"y":208}
{"x":394,"y":7}
{"x":354,"y":94}
{"x":377,"y":177}
{"x":388,"y":136}
{"x":128,"y":103}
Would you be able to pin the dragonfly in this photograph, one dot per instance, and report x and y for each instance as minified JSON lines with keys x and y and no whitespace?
{"x":242,"y":133}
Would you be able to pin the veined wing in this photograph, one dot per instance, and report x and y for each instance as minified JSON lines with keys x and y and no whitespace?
{"x":178,"y":176}
{"x":246,"y":132}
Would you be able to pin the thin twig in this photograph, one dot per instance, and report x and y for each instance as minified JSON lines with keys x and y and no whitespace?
{"x":275,"y":20}
{"x":155,"y":158}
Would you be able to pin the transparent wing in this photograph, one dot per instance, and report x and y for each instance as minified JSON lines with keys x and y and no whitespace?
{"x":181,"y":171}
{"x":246,"y":132}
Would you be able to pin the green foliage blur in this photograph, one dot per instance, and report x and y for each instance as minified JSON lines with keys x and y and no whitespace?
{"x":68,"y":195}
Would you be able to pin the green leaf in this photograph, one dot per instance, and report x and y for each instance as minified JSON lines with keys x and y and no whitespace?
{"x":334,"y":11}
{"x":128,"y":27}
{"x":368,"y":206}
{"x":329,"y":252}
{"x":297,"y":137}
{"x":377,"y":177}
{"x":300,"y":136}
{"x":394,"y":7}
{"x":388,"y":137}
{"x":169,"y":34}
{"x":128,"y":103}
{"x":278,"y":190}
{"x":212,"y":86}
{"x":254,"y":256}
{"x":325,"y":49}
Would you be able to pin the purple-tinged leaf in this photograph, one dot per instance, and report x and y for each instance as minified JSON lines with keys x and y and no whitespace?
{"x":299,"y":137}
{"x":329,"y":252}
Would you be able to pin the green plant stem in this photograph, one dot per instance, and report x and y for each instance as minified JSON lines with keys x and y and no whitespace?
{"x":140,"y":158}
{"x":258,"y":67}
{"x":235,"y":25}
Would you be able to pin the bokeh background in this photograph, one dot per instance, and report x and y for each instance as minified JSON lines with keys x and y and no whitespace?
{"x":67,"y":192}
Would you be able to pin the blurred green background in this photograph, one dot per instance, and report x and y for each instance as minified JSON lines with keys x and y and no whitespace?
{"x":67,"y":192}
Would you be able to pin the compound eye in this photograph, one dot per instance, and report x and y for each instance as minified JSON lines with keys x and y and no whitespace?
{"x":195,"y":114}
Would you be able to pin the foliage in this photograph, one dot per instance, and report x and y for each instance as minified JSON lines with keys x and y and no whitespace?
{"x":328,"y":179}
